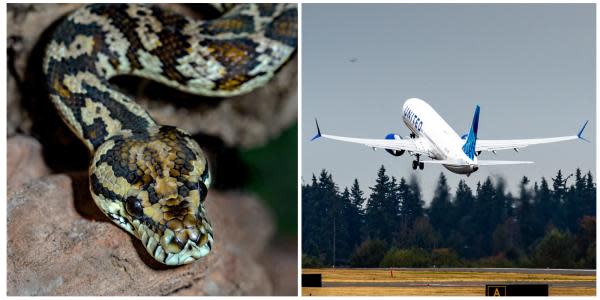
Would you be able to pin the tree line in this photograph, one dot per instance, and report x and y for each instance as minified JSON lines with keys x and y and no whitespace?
{"x":546,"y":225}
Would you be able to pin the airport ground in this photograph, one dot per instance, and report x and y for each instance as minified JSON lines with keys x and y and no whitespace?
{"x":445,"y":281}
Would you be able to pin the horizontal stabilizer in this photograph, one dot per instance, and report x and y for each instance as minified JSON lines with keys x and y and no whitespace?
{"x":444,"y":162}
{"x":502,"y":162}
{"x":479,"y":162}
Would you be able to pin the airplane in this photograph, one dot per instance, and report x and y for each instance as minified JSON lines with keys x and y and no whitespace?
{"x":431,"y":136}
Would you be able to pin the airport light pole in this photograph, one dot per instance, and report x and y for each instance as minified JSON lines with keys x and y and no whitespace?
{"x":334,"y":213}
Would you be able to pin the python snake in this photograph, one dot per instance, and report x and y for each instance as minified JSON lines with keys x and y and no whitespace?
{"x":151,"y":179}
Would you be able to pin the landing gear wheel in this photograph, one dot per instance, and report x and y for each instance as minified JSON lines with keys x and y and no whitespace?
{"x":415,"y":163}
{"x":421,"y":165}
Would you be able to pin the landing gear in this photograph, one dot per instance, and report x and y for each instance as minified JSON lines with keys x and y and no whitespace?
{"x":412,"y":136}
{"x":418,"y":164}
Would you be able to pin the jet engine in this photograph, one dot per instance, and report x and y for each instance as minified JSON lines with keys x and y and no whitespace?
{"x":393,"y":136}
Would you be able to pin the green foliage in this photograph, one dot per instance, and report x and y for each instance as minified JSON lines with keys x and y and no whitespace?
{"x":421,"y":235}
{"x":368,"y":254}
{"x":445,"y":257}
{"x":440,"y":212}
{"x":550,"y":223}
{"x":555,"y":251}
{"x":496,"y":261}
{"x":586,"y":242}
{"x":406,"y":258}
{"x":382,"y":211}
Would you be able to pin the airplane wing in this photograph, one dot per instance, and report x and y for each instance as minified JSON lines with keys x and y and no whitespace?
{"x":493,"y":145}
{"x":416,"y":145}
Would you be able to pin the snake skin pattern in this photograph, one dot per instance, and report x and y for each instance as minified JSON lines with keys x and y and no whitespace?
{"x":151,"y":179}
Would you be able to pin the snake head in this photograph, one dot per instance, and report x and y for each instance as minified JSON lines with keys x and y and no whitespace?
{"x":154,"y":185}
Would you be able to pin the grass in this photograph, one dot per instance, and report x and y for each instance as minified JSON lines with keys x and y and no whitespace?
{"x":428,"y":276}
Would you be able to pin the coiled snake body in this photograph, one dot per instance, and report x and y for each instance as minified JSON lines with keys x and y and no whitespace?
{"x":150,"y":179}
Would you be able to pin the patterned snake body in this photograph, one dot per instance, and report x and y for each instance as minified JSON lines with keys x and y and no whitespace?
{"x":150,"y":179}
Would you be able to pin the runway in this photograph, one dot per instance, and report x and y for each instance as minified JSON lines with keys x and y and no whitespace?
{"x":494,"y":270}
{"x":446,"y":281}
{"x":457,"y":284}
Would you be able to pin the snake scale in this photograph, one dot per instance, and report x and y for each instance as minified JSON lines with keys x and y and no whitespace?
{"x":150,"y":179}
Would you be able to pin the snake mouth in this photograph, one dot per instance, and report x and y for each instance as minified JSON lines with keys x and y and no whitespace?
{"x":162,"y":247}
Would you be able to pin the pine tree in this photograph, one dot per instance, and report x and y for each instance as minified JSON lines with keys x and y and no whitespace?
{"x":574,"y":202}
{"x":544,"y":210}
{"x":440,"y":212}
{"x":327,"y":196}
{"x":485,"y":218}
{"x":410,"y":210}
{"x":590,"y":195}
{"x":356,"y":222}
{"x":343,"y":237}
{"x":378,"y":216}
{"x":559,"y":193}
{"x":310,"y":218}
{"x":463,"y":236}
{"x":524,"y":215}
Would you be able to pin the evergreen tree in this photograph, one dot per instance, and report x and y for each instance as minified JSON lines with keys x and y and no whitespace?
{"x":310,"y":219}
{"x":343,"y":238}
{"x":440,"y":212}
{"x":485,"y":218}
{"x":544,"y":210}
{"x":463,"y":235}
{"x":576,"y":202}
{"x":559,"y":193}
{"x":525,"y":212}
{"x":392,"y":208}
{"x":411,"y":206}
{"x":590,"y":195}
{"x":327,"y":196}
{"x":543,"y":225}
{"x":356,"y":222}
{"x":379,"y":216}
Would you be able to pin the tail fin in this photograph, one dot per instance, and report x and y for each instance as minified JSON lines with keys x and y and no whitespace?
{"x":469,"y":146}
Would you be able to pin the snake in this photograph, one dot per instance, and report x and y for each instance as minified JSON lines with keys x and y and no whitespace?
{"x":152,"y":179}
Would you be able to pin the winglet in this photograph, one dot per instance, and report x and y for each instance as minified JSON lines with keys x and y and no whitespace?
{"x":318,"y":135}
{"x":580,"y":134}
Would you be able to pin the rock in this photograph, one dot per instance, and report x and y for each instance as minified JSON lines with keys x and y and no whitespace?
{"x":244,"y":121}
{"x":25,"y":161}
{"x":26,"y":23}
{"x":281,"y":260}
{"x":61,"y":246}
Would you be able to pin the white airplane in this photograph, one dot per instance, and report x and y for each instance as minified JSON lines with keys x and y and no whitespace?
{"x":433,"y":137}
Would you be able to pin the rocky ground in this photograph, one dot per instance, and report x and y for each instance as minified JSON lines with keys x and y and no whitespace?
{"x":59,"y":243}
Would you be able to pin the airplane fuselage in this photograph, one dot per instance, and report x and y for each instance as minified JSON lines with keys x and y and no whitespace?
{"x":443,"y":142}
{"x":432,"y":137}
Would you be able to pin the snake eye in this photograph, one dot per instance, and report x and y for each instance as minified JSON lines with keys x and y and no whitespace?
{"x":202,"y":190}
{"x":134,"y":206}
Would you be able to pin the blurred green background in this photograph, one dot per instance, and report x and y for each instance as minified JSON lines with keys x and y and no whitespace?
{"x":273,"y":176}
